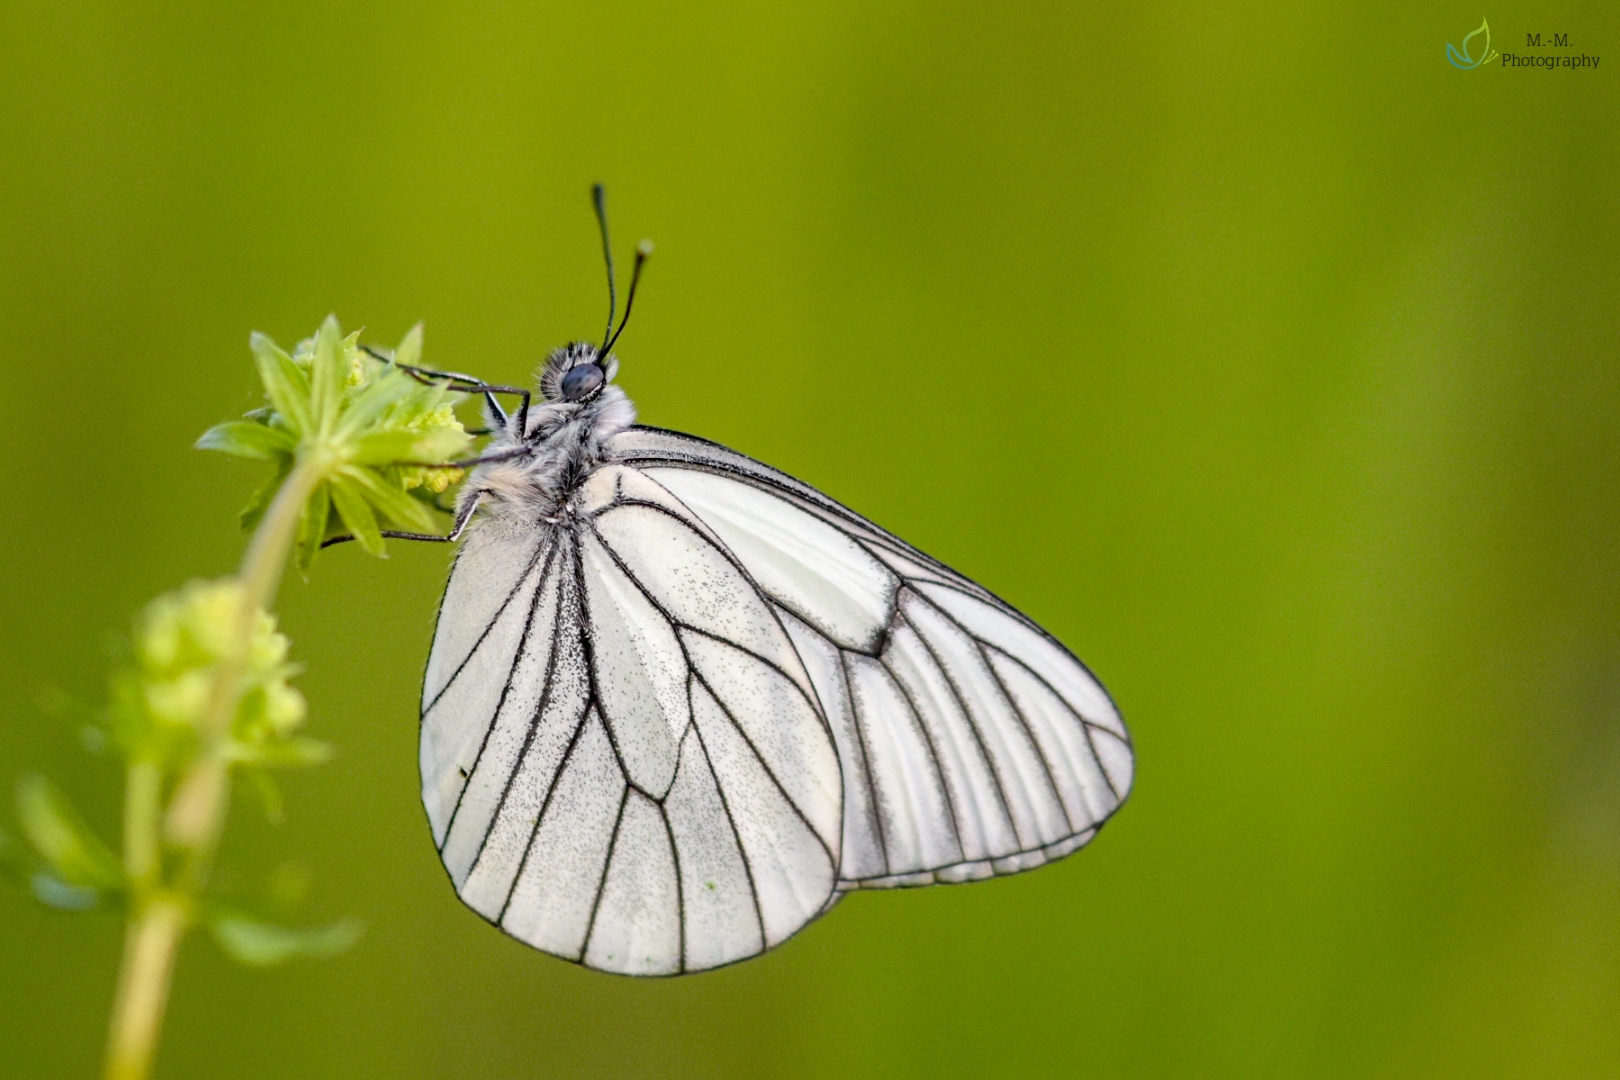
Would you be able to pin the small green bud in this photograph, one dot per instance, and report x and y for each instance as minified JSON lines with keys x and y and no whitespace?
{"x":160,"y":706}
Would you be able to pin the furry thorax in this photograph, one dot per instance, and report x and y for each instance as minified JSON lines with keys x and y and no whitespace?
{"x":566,"y":441}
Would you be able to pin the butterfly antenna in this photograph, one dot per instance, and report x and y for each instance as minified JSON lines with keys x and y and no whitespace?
{"x":643,"y":250}
{"x":599,"y":200}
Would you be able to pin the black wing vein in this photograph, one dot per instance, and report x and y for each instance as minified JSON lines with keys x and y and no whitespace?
{"x":933,"y":753}
{"x":815,"y":705}
{"x":856,"y":721}
{"x":601,"y":882}
{"x":991,"y":766}
{"x":680,"y":889}
{"x":516,"y":587}
{"x":725,"y":807}
{"x":517,"y":660}
{"x":770,"y":772}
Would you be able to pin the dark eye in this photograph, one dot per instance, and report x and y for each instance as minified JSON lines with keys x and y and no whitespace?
{"x":581,"y":382}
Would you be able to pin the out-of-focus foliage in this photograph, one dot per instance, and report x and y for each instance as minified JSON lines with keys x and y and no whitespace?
{"x":262,"y":944}
{"x":72,"y":869}
{"x":157,"y":719}
{"x":160,"y":702}
{"x":1261,"y":355}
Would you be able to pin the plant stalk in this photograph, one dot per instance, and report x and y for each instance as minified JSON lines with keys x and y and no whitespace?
{"x":159,"y":918}
{"x":150,"y":944}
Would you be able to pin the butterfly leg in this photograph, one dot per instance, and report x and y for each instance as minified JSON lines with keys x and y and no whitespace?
{"x":501,"y":455}
{"x":455,"y":533}
{"x":467,"y":384}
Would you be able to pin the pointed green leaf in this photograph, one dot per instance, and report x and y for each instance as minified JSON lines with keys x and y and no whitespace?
{"x":288,"y":388}
{"x":62,"y":838}
{"x":386,"y":448}
{"x":261,"y":944}
{"x":327,"y":373}
{"x":247,"y":439}
{"x":264,"y":496}
{"x":357,"y":515}
{"x":440,"y":444}
{"x":373,"y":400}
{"x":409,"y":352}
{"x":292,"y":753}
{"x":264,"y":348}
{"x":394,"y":503}
{"x":267,"y":354}
{"x":313,"y":528}
{"x":262,"y":343}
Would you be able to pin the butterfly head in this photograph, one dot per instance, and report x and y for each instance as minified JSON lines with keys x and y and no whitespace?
{"x":576,"y":373}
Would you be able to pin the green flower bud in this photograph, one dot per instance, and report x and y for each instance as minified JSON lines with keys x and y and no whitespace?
{"x":182,"y":637}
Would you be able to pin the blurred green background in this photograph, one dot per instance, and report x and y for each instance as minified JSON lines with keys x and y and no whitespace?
{"x":1265,"y":358}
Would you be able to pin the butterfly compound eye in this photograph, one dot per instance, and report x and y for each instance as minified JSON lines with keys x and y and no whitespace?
{"x":581,"y":382}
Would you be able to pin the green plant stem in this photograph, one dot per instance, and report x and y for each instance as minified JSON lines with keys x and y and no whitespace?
{"x":272,"y":541}
{"x":159,"y":917}
{"x":150,"y":944}
{"x":143,"y":809}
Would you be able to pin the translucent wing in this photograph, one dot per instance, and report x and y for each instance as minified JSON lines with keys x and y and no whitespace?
{"x":623,"y":759}
{"x":972,"y":743}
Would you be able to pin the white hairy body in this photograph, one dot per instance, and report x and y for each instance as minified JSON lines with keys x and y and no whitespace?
{"x":568,"y":440}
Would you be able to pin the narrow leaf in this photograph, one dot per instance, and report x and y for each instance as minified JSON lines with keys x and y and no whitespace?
{"x":264,"y":347}
{"x":20,"y":867}
{"x":387,"y":448}
{"x":53,"y":892}
{"x":410,"y":349}
{"x":247,"y":439}
{"x":262,"y":498}
{"x":62,"y":838}
{"x":313,"y":528}
{"x":387,"y":388}
{"x":392,"y":501}
{"x":262,"y":944}
{"x":288,"y":388}
{"x":327,"y":373}
{"x":356,"y":513}
{"x":293,"y":753}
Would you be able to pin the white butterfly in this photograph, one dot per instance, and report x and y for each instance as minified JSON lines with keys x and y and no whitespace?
{"x":679,"y":703}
